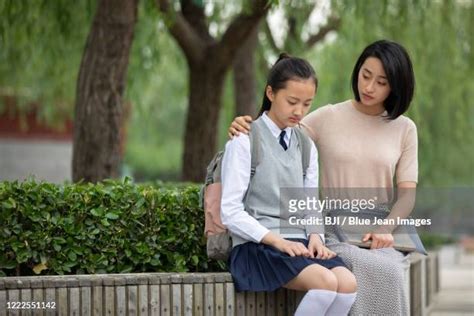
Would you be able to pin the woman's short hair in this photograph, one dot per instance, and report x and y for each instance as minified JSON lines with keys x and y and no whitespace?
{"x":399,"y":70}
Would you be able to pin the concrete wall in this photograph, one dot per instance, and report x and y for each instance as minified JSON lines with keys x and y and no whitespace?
{"x":48,"y":160}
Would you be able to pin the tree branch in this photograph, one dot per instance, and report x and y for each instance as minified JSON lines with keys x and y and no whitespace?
{"x":333,"y":24}
{"x":239,"y":30}
{"x":270,"y":38}
{"x":195,"y":16}
{"x":183,"y":32}
{"x":292,"y":25}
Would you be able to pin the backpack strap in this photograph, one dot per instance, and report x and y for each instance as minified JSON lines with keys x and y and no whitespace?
{"x":305,"y":145}
{"x":255,"y":149}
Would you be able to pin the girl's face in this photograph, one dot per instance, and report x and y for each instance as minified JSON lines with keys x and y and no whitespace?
{"x":372,"y":83}
{"x":290,"y":104}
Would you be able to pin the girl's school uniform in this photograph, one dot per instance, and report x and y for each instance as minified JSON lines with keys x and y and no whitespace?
{"x":250,"y":208}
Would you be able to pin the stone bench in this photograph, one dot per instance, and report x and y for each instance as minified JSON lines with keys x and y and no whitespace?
{"x":176,"y":294}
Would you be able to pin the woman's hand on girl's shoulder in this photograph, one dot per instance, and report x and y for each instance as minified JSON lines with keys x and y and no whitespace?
{"x":317,"y":247}
{"x":241,"y":124}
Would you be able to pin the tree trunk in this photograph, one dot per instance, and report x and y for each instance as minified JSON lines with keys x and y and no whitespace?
{"x":245,"y":96}
{"x":99,"y":106}
{"x":208,"y":59}
{"x":205,"y":91}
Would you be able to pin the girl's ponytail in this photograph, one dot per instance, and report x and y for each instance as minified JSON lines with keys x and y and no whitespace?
{"x":281,"y":57}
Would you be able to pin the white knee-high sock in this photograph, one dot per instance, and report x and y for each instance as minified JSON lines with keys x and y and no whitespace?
{"x":315,"y":302}
{"x":341,"y":304}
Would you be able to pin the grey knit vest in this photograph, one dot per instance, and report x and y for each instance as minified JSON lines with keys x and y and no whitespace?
{"x":277,"y":169}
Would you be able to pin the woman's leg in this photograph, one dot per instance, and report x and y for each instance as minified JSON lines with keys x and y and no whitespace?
{"x":320,"y":284}
{"x":346,"y":292}
{"x":380,"y":278}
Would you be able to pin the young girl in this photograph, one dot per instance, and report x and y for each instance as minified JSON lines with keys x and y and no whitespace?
{"x":261,"y":258}
{"x":368,"y":143}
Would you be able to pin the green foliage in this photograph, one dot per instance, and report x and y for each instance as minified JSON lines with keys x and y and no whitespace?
{"x":438,"y":38}
{"x":41,"y":45}
{"x":434,"y":241}
{"x":157,"y":88}
{"x":110,"y":227}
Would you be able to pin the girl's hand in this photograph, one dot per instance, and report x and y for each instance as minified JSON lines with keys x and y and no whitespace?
{"x":379,"y":240}
{"x":317,"y":247}
{"x":292,"y":248}
{"x":240,"y":124}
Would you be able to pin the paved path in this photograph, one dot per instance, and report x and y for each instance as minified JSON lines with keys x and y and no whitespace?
{"x":456,"y":296}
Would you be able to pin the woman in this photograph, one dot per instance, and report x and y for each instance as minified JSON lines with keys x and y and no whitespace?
{"x":368,"y":143}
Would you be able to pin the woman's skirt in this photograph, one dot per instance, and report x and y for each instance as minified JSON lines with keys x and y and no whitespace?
{"x":381,"y":277}
{"x":259,"y":267}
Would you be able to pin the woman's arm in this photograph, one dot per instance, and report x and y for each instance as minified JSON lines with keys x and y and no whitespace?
{"x":406,"y":196}
{"x":407,"y":177}
{"x":382,"y":237}
{"x":311,"y":122}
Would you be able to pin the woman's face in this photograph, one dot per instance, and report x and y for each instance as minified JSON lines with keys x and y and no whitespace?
{"x":290,"y":104}
{"x":372,"y":83}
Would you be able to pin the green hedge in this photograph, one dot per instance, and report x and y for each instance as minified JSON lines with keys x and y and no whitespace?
{"x":109,"y":227}
{"x":435,"y":241}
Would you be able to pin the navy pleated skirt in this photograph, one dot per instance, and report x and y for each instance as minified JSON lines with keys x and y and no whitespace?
{"x":259,"y":267}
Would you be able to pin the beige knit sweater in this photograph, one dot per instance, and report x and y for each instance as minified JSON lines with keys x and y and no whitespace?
{"x":357,"y":150}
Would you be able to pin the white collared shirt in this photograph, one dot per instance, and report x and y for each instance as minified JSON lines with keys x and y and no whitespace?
{"x":235,"y":179}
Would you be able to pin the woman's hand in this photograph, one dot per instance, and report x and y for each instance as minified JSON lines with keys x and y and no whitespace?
{"x":379,"y":240}
{"x":241,"y":124}
{"x":317,"y":247}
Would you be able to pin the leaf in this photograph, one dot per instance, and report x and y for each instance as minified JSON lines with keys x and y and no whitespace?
{"x":96,"y":212}
{"x":112,"y":215}
{"x":40,"y":267}
{"x":8,"y":265}
{"x":140,"y":202}
{"x":126,"y":269}
{"x":72,"y":256}
{"x":10,"y":203}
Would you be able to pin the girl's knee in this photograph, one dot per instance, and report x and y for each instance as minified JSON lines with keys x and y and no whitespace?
{"x":328,"y":281}
{"x":348,"y":284}
{"x":346,"y":280}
